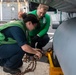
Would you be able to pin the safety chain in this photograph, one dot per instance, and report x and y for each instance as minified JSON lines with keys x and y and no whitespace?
{"x":31,"y":67}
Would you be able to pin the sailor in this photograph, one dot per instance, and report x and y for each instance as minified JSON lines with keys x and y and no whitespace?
{"x":14,"y":44}
{"x":39,"y":35}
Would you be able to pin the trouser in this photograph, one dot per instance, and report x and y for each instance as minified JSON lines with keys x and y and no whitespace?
{"x":11,"y":55}
{"x":41,"y":42}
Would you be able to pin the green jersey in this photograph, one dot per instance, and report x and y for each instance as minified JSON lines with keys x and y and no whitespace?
{"x":44,"y":25}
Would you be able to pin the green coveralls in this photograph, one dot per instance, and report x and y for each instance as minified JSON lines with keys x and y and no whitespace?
{"x":44,"y":25}
{"x":41,"y":32}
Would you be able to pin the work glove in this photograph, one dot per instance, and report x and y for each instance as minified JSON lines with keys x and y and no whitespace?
{"x":35,"y":38}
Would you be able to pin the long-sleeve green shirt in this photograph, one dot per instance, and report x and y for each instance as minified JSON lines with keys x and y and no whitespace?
{"x":44,"y":25}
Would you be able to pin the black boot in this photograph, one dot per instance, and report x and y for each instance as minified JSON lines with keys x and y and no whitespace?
{"x":2,"y":62}
{"x":12,"y":71}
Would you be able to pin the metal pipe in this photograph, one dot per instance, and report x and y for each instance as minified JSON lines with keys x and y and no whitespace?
{"x":50,"y":59}
{"x":1,"y":11}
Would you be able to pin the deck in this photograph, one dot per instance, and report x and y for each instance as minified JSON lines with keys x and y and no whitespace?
{"x":41,"y":69}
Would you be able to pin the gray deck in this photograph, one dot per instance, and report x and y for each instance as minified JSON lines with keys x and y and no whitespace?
{"x":42,"y":69}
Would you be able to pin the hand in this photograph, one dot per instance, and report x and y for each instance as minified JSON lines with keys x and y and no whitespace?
{"x":36,"y":49}
{"x":35,"y":38}
{"x":41,"y":51}
{"x":39,"y":54}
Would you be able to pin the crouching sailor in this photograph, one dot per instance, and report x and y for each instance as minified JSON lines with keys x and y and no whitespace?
{"x":14,"y":44}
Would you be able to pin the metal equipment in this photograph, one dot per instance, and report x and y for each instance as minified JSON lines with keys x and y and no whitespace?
{"x":62,"y":5}
{"x":53,"y":70}
{"x":65,"y":46}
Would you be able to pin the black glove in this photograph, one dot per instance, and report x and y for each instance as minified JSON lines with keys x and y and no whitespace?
{"x":35,"y":38}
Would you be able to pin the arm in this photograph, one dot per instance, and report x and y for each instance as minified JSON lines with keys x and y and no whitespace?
{"x":31,"y":50}
{"x":46,"y":28}
{"x":28,"y":49}
{"x":20,"y":37}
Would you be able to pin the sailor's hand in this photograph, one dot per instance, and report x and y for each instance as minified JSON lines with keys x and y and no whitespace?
{"x":35,"y":38}
{"x":39,"y":54}
{"x":36,"y":49}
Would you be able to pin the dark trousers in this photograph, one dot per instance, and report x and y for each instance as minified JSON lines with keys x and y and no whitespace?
{"x":41,"y":42}
{"x":11,"y":56}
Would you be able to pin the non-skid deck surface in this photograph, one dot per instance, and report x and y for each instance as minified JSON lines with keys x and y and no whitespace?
{"x":42,"y":69}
